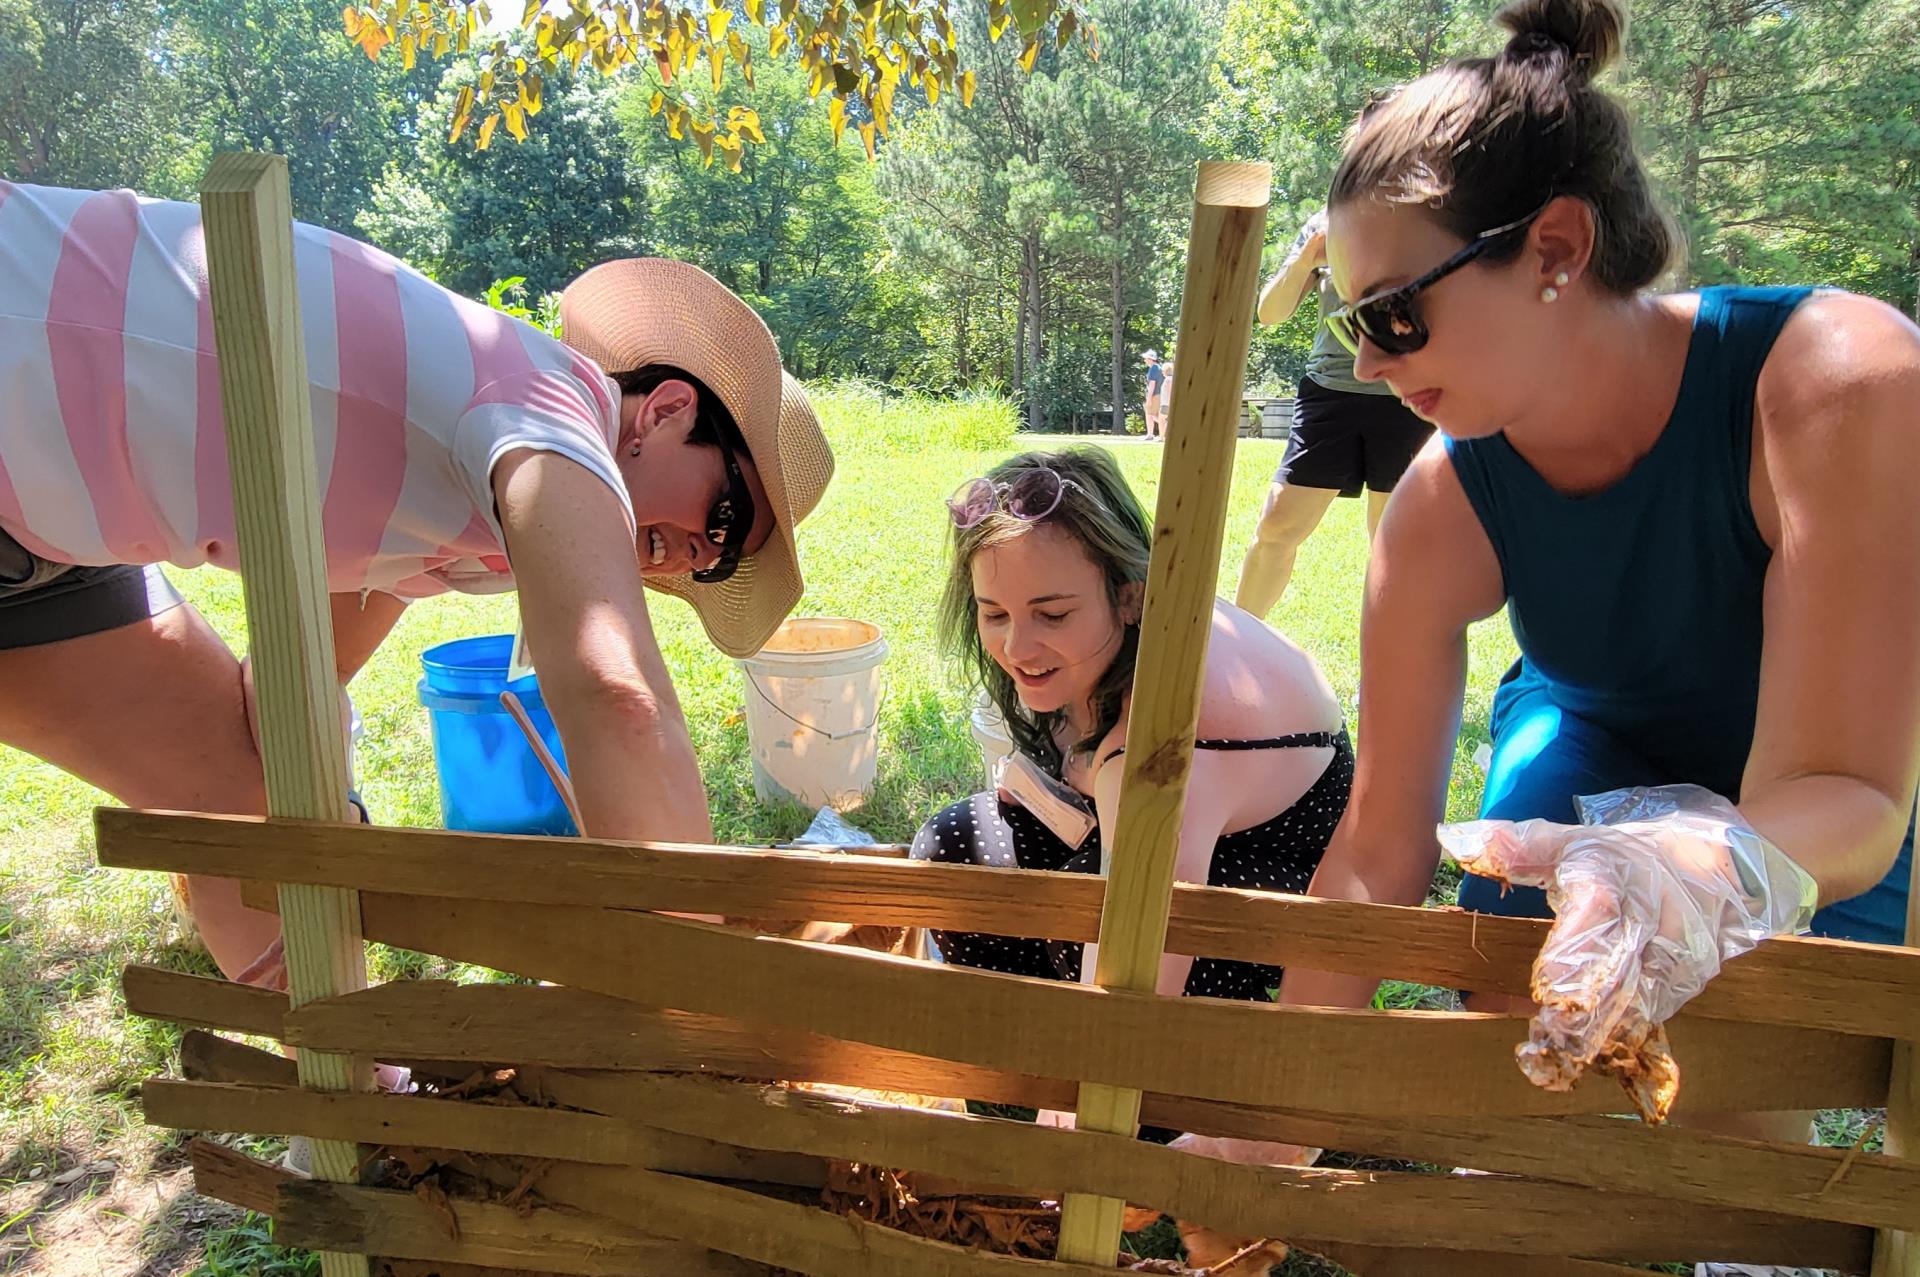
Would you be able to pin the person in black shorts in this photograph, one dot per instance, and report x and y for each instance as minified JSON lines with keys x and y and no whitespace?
{"x":1347,"y":434}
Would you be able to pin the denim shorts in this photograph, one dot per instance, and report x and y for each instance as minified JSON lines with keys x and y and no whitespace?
{"x":1544,"y":757}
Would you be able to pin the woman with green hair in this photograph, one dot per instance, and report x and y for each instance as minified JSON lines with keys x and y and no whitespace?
{"x":1042,"y":605}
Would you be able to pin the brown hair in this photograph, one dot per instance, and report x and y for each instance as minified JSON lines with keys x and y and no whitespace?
{"x":713,"y":425}
{"x":1482,"y":142}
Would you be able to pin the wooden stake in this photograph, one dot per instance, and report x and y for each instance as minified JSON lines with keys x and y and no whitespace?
{"x":1897,"y":1254}
{"x":1216,"y":320}
{"x":248,"y":219}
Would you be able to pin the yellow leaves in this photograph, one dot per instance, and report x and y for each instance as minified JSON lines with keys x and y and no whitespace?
{"x":746,"y":120}
{"x":853,"y":52}
{"x":703,"y":131}
{"x":462,"y":112}
{"x":350,"y":19}
{"x":373,"y":38}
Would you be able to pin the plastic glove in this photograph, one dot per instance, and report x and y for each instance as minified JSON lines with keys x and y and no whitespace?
{"x":1250,"y":1152}
{"x":1651,"y":894}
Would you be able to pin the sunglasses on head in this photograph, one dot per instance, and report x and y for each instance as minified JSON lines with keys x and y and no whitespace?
{"x":729,"y":520}
{"x":1031,"y":497}
{"x":1390,"y":318}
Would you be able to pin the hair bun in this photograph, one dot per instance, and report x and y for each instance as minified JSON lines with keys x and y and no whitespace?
{"x":1589,"y":32}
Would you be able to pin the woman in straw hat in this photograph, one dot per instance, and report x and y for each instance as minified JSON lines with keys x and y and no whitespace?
{"x":457,"y":448}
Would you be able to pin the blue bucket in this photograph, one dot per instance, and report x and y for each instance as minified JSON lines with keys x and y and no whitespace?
{"x":490,"y":779}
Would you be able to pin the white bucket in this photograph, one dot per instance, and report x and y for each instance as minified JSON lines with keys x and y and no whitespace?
{"x":813,"y":710}
{"x":990,"y":734}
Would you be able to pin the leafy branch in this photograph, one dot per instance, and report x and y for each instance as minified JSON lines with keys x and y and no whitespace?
{"x":858,"y":52}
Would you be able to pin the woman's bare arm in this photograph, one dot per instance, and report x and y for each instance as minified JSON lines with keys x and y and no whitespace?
{"x":1433,"y":573}
{"x":584,"y":612}
{"x":1836,"y":746}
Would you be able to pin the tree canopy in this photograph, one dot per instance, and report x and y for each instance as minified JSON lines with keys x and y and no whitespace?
{"x":1030,"y":242}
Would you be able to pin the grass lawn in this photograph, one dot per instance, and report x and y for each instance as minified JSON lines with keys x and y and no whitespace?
{"x":86,"y":1189}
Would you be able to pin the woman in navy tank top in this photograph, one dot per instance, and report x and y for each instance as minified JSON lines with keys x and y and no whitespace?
{"x":1697,"y":507}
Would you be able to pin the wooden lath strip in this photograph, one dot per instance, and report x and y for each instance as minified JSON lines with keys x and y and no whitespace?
{"x":1380,"y":1261}
{"x":336,"y":1217}
{"x":785,"y":1234}
{"x":1597,"y":1152}
{"x":1825,"y":984}
{"x":505,"y":1022}
{"x":420,"y":1121}
{"x":1285,"y":1056}
{"x":1514,"y":1216}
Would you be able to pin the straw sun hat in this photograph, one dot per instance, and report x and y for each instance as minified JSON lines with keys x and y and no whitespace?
{"x":639,"y":311}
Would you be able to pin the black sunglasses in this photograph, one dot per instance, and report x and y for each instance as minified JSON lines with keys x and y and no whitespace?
{"x":1390,"y":319}
{"x":729,"y":520}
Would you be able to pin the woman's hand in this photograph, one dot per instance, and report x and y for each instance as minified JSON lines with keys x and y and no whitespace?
{"x":1650,"y":897}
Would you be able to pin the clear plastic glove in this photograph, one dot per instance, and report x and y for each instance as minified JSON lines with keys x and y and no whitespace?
{"x":1651,"y":894}
{"x":1248,"y":1152}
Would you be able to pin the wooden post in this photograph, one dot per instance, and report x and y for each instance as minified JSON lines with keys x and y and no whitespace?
{"x":1216,"y":321}
{"x":1897,"y":1254}
{"x":247,"y":215}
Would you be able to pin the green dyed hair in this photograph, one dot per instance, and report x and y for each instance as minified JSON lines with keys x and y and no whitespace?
{"x":1102,"y":514}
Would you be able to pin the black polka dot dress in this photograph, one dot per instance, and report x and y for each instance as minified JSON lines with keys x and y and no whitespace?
{"x":1276,"y":855}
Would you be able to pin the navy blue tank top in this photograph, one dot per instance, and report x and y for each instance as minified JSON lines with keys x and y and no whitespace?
{"x":1639,"y":606}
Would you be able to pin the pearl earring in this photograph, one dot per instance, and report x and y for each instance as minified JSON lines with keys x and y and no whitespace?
{"x":1552,"y":291}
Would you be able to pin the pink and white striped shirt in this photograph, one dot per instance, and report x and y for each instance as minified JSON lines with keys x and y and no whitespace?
{"x":111,"y":443}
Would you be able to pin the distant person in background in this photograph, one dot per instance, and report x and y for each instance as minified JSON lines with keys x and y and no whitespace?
{"x":1347,"y":434}
{"x":1154,"y":410}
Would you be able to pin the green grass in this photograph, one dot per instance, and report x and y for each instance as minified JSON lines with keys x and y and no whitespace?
{"x":71,"y":1061}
